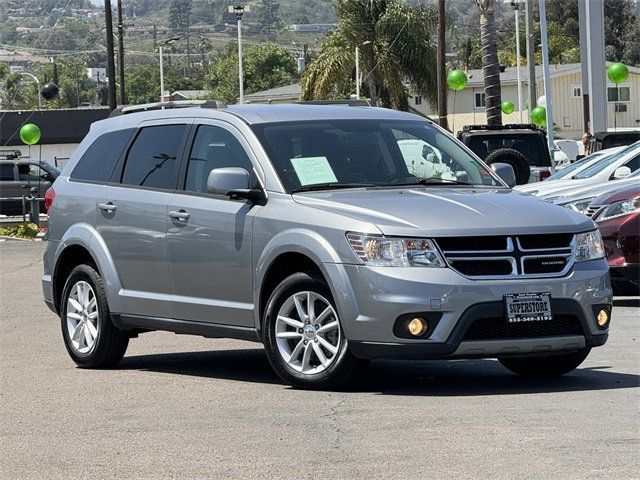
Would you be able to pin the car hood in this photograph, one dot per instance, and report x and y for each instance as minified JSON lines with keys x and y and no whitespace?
{"x":592,"y":191}
{"x":439,"y":211}
{"x":550,"y":187}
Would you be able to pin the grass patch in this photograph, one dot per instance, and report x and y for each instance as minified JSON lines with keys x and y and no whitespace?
{"x":24,"y":230}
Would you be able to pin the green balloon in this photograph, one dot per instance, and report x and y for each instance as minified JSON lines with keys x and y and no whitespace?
{"x":539,"y":116}
{"x":617,"y":72}
{"x":30,"y":134}
{"x":508,"y":107}
{"x":457,"y":80}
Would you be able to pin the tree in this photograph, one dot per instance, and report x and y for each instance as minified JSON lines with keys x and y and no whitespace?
{"x":268,"y":16}
{"x":398,"y":48}
{"x":265,"y":66}
{"x":490,"y":65}
{"x":180,"y":15}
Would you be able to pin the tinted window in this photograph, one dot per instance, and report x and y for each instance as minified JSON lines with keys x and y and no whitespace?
{"x":6,"y":171}
{"x":213,"y":147}
{"x":528,"y":145}
{"x":152,"y":160}
{"x":99,"y":160}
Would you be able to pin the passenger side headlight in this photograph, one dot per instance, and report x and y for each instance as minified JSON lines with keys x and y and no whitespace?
{"x":589,"y":246}
{"x":580,"y":206}
{"x":619,"y":209}
{"x":381,"y":251}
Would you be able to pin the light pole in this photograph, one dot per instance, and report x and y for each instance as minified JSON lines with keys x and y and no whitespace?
{"x":358,"y":79}
{"x":547,"y":78}
{"x":240,"y":10}
{"x":160,"y":45}
{"x":516,"y":6}
{"x":38,"y":83}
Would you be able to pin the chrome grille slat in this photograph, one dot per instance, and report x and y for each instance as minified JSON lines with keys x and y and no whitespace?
{"x":551,"y":257}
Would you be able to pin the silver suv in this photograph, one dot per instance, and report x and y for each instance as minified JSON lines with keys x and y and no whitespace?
{"x":318,"y":231}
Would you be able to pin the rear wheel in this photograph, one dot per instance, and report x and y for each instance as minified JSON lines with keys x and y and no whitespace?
{"x":303,"y":336}
{"x":547,"y":365}
{"x":514,"y":158}
{"x":91,"y":339}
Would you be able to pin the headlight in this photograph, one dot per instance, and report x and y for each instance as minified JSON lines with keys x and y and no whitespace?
{"x":579,"y":206}
{"x":618,"y":209}
{"x":589,"y":246}
{"x":395,"y":252}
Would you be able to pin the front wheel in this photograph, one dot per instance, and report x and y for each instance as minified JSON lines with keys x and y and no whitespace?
{"x":545,"y":366}
{"x":91,"y":339}
{"x":303,"y":336}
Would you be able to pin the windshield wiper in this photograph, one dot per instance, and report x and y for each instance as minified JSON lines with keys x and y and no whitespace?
{"x":332,"y":186}
{"x":437,"y":181}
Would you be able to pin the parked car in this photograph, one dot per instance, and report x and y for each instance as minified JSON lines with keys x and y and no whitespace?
{"x":302,"y":227}
{"x":20,"y":177}
{"x":614,"y":167}
{"x":524,"y":147}
{"x":566,"y":152}
{"x":617,"y":215}
{"x":609,"y":139}
{"x":573,"y":169}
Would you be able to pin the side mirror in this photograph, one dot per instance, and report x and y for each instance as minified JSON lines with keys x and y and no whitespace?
{"x":505,"y":172}
{"x":621,"y":172}
{"x":233,"y":182}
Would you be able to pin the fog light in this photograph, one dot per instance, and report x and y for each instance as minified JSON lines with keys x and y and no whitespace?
{"x":603,"y":318}
{"x":417,"y":326}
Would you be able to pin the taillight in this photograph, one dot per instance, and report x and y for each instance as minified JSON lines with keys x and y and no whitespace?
{"x":49,"y":197}
{"x":544,"y":174}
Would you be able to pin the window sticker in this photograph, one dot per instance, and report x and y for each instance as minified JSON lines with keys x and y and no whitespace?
{"x":313,"y":170}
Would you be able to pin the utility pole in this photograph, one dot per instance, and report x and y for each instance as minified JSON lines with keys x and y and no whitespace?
{"x":442,"y":82}
{"x":111,"y":68}
{"x":123,"y":98}
{"x":531,"y":54}
{"x":516,"y":6}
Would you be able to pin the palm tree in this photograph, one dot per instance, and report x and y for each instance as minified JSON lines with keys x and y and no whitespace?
{"x":490,"y":65}
{"x":396,"y":46}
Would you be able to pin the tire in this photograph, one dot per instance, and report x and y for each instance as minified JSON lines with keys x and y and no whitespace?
{"x":305,"y":367}
{"x":514,"y":158}
{"x":545,"y":366}
{"x":98,"y":343}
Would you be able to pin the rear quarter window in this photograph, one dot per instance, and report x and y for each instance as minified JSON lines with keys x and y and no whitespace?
{"x":100,"y":159}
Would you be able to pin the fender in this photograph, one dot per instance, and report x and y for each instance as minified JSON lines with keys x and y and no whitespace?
{"x":298,"y":240}
{"x":85,"y":235}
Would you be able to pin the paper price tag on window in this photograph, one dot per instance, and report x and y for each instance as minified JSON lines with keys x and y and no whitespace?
{"x":313,"y":170}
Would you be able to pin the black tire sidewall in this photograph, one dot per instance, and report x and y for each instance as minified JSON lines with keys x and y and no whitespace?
{"x":88,"y":274}
{"x":341,"y":367}
{"x":514,"y":158}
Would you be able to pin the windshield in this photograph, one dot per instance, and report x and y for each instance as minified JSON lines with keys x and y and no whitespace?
{"x":604,"y":163}
{"x":567,"y":171}
{"x":368,"y":153}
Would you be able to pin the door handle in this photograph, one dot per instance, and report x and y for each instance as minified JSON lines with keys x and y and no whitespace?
{"x":181,"y":215}
{"x":108,"y":207}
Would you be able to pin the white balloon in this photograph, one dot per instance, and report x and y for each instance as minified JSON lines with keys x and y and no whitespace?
{"x":542,"y":101}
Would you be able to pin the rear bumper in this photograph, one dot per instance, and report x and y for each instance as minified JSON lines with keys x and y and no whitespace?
{"x":457,"y":347}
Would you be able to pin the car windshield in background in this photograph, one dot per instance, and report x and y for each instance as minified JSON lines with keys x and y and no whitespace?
{"x":372,"y":153}
{"x":55,"y":171}
{"x":567,"y":171}
{"x":604,"y":163}
{"x":484,"y":144}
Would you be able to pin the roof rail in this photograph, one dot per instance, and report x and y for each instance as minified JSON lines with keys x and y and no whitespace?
{"x":511,"y":126}
{"x":349,"y":102}
{"x":10,"y":154}
{"x":168,"y":105}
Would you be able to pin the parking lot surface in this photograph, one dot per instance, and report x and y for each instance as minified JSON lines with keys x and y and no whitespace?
{"x":189,"y":407}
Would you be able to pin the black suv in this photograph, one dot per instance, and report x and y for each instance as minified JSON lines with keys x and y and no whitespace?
{"x":523,"y":146}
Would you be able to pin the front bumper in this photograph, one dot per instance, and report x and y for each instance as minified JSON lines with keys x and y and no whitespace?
{"x":370,"y":299}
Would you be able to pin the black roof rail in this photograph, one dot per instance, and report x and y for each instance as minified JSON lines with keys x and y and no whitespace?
{"x":511,"y":126}
{"x":10,"y":154}
{"x":349,"y":102}
{"x":168,"y":105}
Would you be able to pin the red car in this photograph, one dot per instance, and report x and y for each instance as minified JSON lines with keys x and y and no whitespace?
{"x":617,"y":214}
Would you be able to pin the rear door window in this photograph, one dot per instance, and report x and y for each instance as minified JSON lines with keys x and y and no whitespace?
{"x":99,"y":160}
{"x":153,"y":160}
{"x":6,"y":172}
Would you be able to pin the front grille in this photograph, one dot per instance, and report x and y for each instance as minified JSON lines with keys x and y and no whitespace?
{"x":592,"y":210}
{"x":494,"y":256}
{"x":482,"y":267}
{"x":498,"y":328}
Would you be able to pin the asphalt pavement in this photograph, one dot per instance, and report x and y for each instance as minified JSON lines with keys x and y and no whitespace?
{"x":187,"y":407}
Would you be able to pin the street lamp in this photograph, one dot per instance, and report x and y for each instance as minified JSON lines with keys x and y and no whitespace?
{"x":240,"y":10}
{"x":516,"y":6}
{"x":358,"y":79}
{"x":38,"y":83}
{"x":160,"y":45}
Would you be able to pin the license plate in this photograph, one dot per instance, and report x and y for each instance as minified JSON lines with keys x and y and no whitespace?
{"x":528,"y":307}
